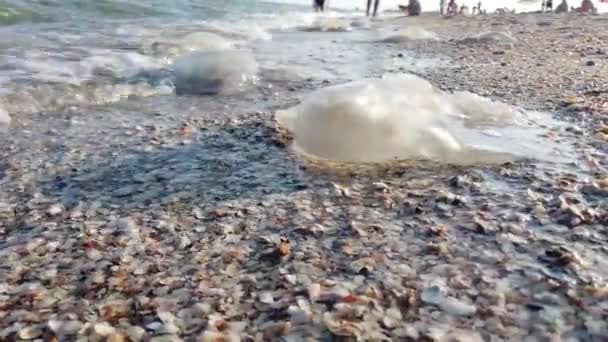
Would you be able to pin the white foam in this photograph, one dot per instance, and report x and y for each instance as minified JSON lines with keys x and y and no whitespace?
{"x":292,"y":73}
{"x":241,"y":29}
{"x":493,"y":37}
{"x":171,"y":47}
{"x":215,"y":72}
{"x":40,"y":67}
{"x":397,"y":118}
{"x":408,"y":34}
{"x":328,"y":24}
{"x":205,"y":41}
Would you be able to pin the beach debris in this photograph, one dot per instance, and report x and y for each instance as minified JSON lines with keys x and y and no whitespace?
{"x":215,"y":72}
{"x":364,"y":121}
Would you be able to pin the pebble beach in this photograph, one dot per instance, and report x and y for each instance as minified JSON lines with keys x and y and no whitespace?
{"x":191,"y":218}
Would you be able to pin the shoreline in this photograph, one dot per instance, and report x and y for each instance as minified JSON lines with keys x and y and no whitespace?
{"x":141,"y":224}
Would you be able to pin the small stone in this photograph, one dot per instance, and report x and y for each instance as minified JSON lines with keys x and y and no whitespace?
{"x":65,"y":327}
{"x":499,"y":52}
{"x":432,"y":295}
{"x":116,"y":337}
{"x":459,"y":181}
{"x":590,"y":63}
{"x":456,"y":307}
{"x":211,"y":336}
{"x":594,"y":189}
{"x":437,"y":248}
{"x":29,"y":333}
{"x":275,"y":330}
{"x":103,"y":329}
{"x":283,"y":249}
{"x":166,"y":338}
{"x":136,"y":334}
{"x":184,"y":242}
{"x":379,"y":186}
{"x":154,"y":327}
{"x":314,"y":291}
{"x":266,"y":297}
{"x":291,"y":278}
{"x":55,"y":210}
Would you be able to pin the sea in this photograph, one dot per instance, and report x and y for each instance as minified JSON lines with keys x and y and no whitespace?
{"x":58,"y":54}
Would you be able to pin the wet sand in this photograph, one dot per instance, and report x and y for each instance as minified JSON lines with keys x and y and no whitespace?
{"x":140,"y":223}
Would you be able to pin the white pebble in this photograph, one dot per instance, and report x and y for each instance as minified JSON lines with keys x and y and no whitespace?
{"x":104,"y":329}
{"x":314,"y":291}
{"x":65,"y":327}
{"x":266,"y":298}
{"x":291,"y":278}
{"x":456,"y":307}
{"x":55,"y":210}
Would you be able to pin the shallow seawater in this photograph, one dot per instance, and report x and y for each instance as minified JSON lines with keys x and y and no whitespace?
{"x":113,"y":62}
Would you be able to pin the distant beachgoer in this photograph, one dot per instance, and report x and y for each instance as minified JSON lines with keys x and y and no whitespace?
{"x":562,"y":7}
{"x":549,"y":6}
{"x":369,"y":5}
{"x":441,"y":7}
{"x":413,"y":8}
{"x":587,"y":7}
{"x":452,"y":7}
{"x":543,"y":5}
{"x":319,"y":5}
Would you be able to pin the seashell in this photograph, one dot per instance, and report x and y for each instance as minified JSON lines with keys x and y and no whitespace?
{"x":29,"y":333}
{"x":103,"y":329}
{"x":63,"y":328}
{"x":343,"y":328}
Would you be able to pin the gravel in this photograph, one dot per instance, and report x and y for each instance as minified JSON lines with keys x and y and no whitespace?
{"x":207,"y":227}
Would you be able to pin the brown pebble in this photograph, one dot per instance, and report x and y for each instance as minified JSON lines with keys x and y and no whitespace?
{"x":284,"y":247}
